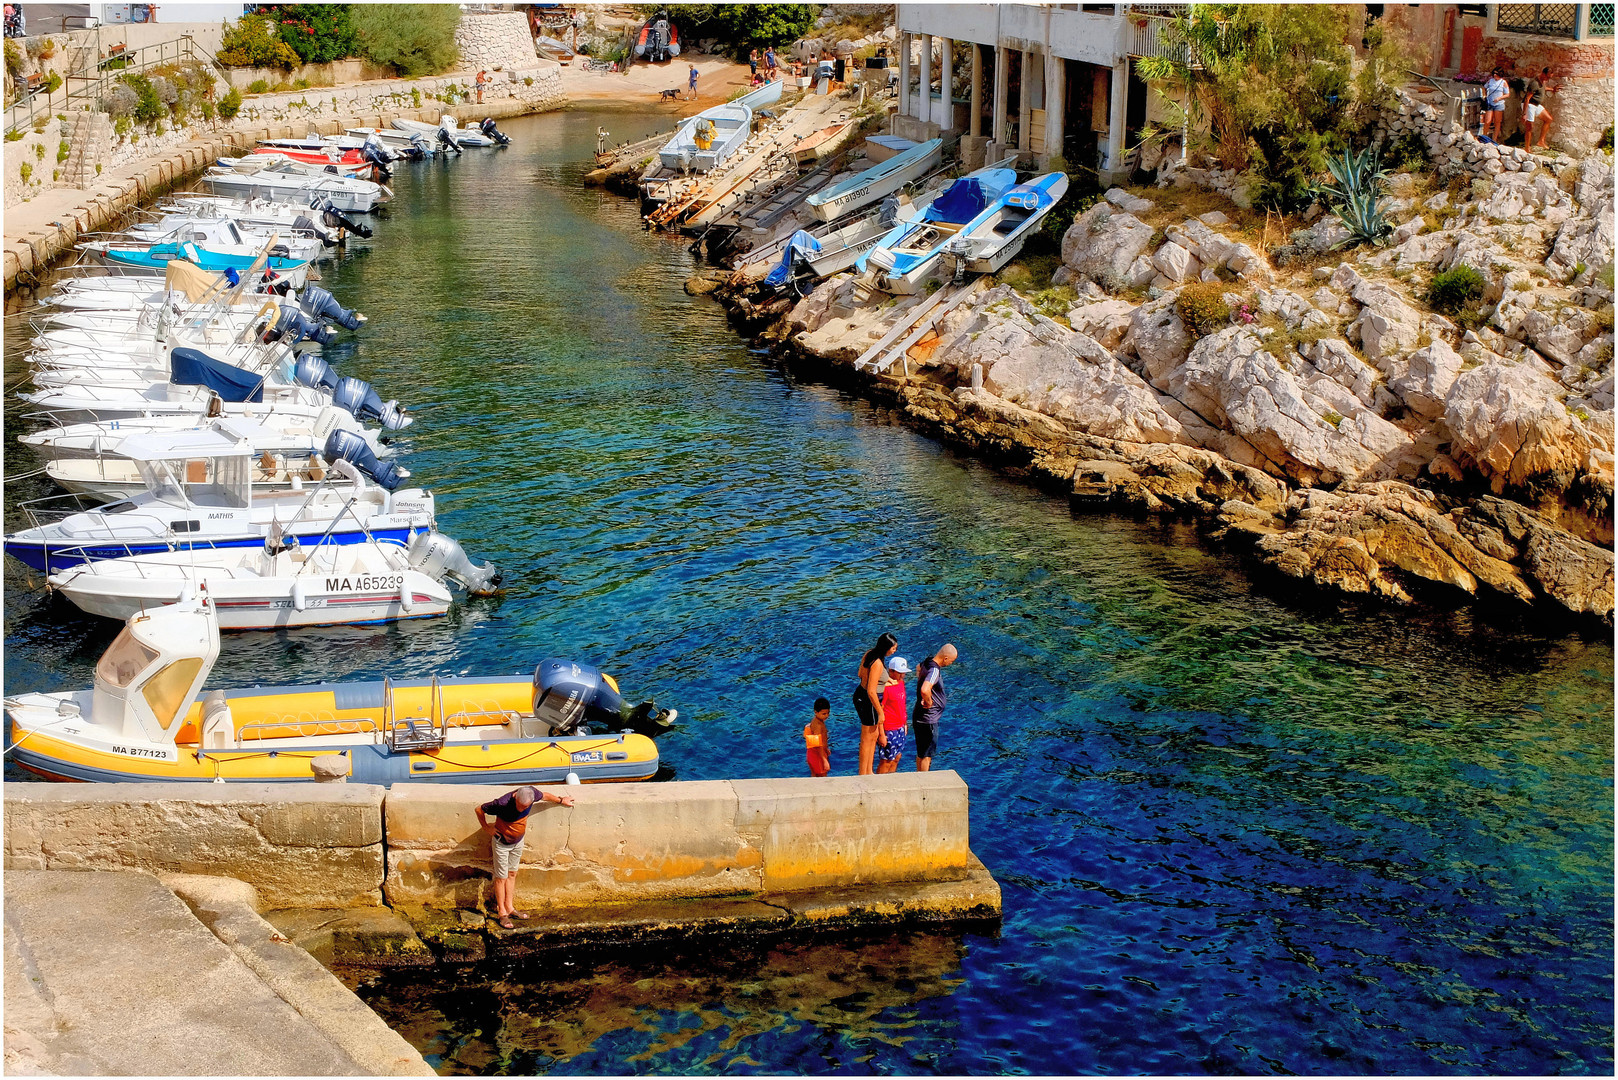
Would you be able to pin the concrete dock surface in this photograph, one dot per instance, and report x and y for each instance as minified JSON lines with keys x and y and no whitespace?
{"x":111,"y":973}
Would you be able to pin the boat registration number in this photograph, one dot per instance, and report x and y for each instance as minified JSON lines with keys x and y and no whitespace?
{"x":587,"y":755}
{"x":364,"y":584}
{"x":144,"y":752}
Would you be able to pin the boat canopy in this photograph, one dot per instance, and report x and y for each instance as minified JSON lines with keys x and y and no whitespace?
{"x":189,"y":367}
{"x":182,"y":275}
{"x":969,"y":196}
{"x":802,"y":243}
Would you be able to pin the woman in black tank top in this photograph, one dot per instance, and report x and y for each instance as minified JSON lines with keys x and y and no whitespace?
{"x":868,"y":696}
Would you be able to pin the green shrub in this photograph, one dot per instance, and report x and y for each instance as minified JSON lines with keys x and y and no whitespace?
{"x":1407,"y":153}
{"x":206,"y":107}
{"x":148,"y":106}
{"x":300,"y":84}
{"x":255,"y":42}
{"x":13,"y":136}
{"x":741,"y":27}
{"x":1454,"y":289}
{"x":25,"y":170}
{"x":1604,"y":276}
{"x":230,"y":105}
{"x":258,"y":86}
{"x":1202,"y":308}
{"x":52,"y":83}
{"x":39,"y":151}
{"x":413,"y":39}
{"x":63,"y":151}
{"x":1356,"y":200}
{"x":14,"y":58}
{"x":1606,"y":139}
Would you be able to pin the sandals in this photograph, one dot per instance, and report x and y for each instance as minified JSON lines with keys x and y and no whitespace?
{"x":506,"y":923}
{"x":520,"y":915}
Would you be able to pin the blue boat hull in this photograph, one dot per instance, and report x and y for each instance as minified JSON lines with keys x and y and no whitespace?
{"x":48,"y":557}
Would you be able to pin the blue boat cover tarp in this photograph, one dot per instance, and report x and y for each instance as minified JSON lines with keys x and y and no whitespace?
{"x":188,"y":367}
{"x":969,"y":196}
{"x":801,"y":242}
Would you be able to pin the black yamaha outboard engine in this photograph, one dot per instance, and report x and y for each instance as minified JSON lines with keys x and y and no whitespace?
{"x":337,"y":219}
{"x":327,"y":234}
{"x":345,"y":445}
{"x":321,"y":304}
{"x":356,"y":396}
{"x":438,"y":556}
{"x":576,"y":699}
{"x":488,"y":129}
{"x":447,"y":141}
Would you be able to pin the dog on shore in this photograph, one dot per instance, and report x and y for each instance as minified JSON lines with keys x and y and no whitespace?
{"x":670,"y":95}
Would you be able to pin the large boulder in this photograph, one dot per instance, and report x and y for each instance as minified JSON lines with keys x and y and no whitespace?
{"x":1587,"y":235}
{"x":1158,"y":338}
{"x":1102,"y":242}
{"x":1312,"y":429}
{"x":1105,"y":320}
{"x":1423,"y":379}
{"x":1507,"y":421}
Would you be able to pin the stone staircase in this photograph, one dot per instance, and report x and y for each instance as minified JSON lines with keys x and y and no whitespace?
{"x":92,"y":135}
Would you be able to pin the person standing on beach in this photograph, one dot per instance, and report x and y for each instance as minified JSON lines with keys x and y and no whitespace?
{"x":931,"y":697}
{"x":507,"y":832}
{"x":817,"y":740}
{"x":890,"y":745}
{"x":693,"y":80}
{"x":752,"y":62}
{"x":769,"y":63}
{"x":868,"y":696}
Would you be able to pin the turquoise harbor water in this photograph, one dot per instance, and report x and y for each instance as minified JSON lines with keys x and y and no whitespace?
{"x":1239,"y":829}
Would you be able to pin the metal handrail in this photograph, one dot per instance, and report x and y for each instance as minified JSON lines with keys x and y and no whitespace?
{"x":90,"y":95}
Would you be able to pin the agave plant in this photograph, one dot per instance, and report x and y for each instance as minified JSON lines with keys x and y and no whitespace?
{"x":1357,"y":198}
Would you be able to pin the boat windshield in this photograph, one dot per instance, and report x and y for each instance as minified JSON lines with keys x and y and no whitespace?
{"x":124,"y":659}
{"x":199,"y":481}
{"x":165,"y":692}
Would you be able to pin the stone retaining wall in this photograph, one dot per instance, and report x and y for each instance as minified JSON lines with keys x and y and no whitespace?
{"x":494,"y":41}
{"x":419,"y":845}
{"x":301,"y":845}
{"x":671,"y":841}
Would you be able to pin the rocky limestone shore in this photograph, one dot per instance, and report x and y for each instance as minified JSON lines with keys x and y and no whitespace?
{"x":1335,"y":428}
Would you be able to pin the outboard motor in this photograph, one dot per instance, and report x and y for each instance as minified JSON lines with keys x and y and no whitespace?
{"x":446,"y":140}
{"x":419,"y":146}
{"x":293,"y":326}
{"x":305,"y":223}
{"x":337,"y":219}
{"x":438,"y":556}
{"x":574,"y":697}
{"x":488,"y":129}
{"x":888,"y":216}
{"x":374,"y":143}
{"x":314,"y":373}
{"x":346,"y":445}
{"x":357,"y":397}
{"x":321,"y":304}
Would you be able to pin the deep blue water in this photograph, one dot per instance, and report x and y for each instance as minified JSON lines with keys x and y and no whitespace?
{"x":1240,"y":827}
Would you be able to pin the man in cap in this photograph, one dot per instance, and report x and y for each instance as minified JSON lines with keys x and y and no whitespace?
{"x":507,"y":830}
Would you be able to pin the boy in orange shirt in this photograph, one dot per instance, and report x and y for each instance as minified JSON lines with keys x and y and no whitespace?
{"x":815,"y":740}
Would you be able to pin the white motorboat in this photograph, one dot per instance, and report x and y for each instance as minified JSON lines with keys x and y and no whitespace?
{"x":470,"y":137}
{"x":994,"y":237}
{"x":877,"y":182}
{"x":272,"y":176}
{"x":263,"y":589}
{"x":909,"y":257}
{"x":217,"y":233}
{"x":704,"y":141}
{"x":274,"y":432}
{"x":199,"y":494}
{"x":396,"y":139}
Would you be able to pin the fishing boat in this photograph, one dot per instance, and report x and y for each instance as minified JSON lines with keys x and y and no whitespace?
{"x":823,"y":143}
{"x":705,"y":140}
{"x":909,"y":256}
{"x":314,"y":152}
{"x":396,"y":140}
{"x":657,"y":40}
{"x":761,"y":97}
{"x":154,"y":259}
{"x":877,"y":182}
{"x":199,"y":493}
{"x":994,"y":237}
{"x":218,"y":233}
{"x":146,"y":719}
{"x":461,"y":136}
{"x":274,"y":433}
{"x":277,"y":177}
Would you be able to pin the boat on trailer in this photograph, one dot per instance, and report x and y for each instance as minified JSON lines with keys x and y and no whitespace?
{"x":910,"y":256}
{"x":705,"y":140}
{"x":994,"y":237}
{"x":146,"y":719}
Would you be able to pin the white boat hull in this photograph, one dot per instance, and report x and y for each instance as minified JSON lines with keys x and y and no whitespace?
{"x":879,"y":187}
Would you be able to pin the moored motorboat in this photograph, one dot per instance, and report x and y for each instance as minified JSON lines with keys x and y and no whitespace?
{"x":877,"y":182}
{"x":705,"y":140}
{"x":657,"y":40}
{"x":145,"y":719}
{"x":277,"y":177}
{"x":822,"y":143}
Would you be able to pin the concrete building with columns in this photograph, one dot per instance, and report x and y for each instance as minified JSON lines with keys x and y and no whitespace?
{"x":1040,"y":79}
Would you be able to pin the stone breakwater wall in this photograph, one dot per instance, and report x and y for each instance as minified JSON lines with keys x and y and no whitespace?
{"x":135,"y":173}
{"x":494,"y":41}
{"x":418,"y":846}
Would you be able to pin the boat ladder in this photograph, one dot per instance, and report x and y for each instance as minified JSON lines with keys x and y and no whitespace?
{"x":414,"y":733}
